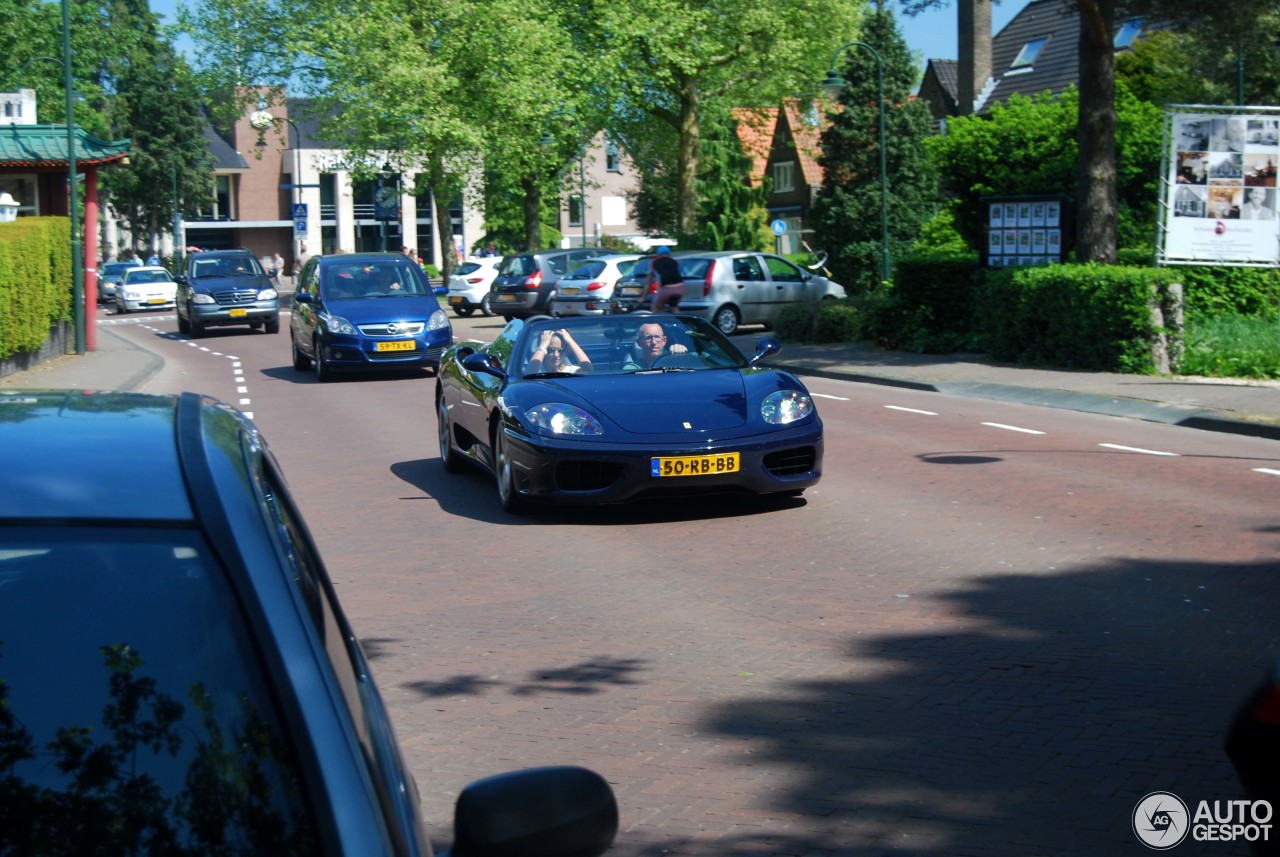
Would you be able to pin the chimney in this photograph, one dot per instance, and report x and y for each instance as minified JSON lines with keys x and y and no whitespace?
{"x":975,"y":51}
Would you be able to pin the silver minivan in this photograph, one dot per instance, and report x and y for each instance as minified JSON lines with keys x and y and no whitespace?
{"x":731,"y":287}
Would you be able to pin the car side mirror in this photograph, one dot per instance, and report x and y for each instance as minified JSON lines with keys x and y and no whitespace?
{"x":180,"y":279}
{"x":477,"y":362}
{"x":303,"y":298}
{"x":766,"y":347}
{"x":560,"y":811}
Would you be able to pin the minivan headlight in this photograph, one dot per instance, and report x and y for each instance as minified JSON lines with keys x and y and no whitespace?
{"x":268,"y":295}
{"x":438,"y":321}
{"x":785,"y":406}
{"x":202,"y":298}
{"x":338,"y":324}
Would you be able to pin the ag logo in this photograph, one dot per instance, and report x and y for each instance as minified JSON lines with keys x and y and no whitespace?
{"x":1161,"y":820}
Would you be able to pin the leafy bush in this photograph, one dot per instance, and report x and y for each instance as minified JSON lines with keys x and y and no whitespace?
{"x":1093,"y":317}
{"x":821,"y":321}
{"x":929,"y":307}
{"x":35,"y":281}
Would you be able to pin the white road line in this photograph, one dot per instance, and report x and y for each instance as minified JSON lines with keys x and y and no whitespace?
{"x":1137,"y":449}
{"x":825,"y":396}
{"x":1266,"y":470}
{"x":912,"y":410}
{"x":1013,"y":428}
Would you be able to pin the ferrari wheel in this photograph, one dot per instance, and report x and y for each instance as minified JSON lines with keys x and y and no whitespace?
{"x":511,"y":500}
{"x":448,"y":457}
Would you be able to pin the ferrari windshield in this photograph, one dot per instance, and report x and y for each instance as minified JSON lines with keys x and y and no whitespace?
{"x":621,"y":344}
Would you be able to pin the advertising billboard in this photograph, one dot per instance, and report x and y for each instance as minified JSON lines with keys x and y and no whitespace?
{"x":1220,"y":187}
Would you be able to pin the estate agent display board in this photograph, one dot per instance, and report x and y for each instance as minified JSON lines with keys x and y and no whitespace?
{"x":1219,"y":186}
{"x":1024,"y":230}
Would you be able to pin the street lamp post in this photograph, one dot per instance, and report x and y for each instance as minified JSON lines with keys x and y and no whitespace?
{"x":547,"y":140}
{"x":833,"y":84}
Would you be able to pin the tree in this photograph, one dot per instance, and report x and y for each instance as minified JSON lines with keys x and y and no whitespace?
{"x":731,"y":213}
{"x":1028,"y":146}
{"x":157,"y":105}
{"x":129,"y":84}
{"x":847,"y":214}
{"x":1224,"y":24}
{"x":674,"y":58}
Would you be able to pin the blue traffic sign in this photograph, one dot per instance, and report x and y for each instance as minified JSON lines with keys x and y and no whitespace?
{"x":779,"y":227}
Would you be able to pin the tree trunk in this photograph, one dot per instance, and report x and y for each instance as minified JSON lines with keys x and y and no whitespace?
{"x":690,"y":137}
{"x":532,"y":186}
{"x":444,"y":223}
{"x":1096,"y":135}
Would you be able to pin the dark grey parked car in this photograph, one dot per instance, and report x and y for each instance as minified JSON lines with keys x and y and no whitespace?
{"x":176,"y":673}
{"x":225,"y":287}
{"x":526,"y":282}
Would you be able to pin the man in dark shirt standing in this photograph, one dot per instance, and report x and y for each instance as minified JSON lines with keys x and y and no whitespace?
{"x":665,"y":271}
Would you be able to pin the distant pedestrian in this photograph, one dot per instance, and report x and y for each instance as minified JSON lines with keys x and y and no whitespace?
{"x":665,"y":272}
{"x":277,"y":265}
{"x":153,"y":260}
{"x":299,"y":261}
{"x":490,"y":249}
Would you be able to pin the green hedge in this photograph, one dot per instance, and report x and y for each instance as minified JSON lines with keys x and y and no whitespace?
{"x":35,"y":281}
{"x":1095,"y":317}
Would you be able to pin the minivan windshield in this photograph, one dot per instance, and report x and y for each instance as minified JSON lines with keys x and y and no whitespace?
{"x":226,"y":266}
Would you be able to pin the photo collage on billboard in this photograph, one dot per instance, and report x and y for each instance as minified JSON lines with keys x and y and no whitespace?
{"x":1225,"y":167}
{"x":1023,"y":232}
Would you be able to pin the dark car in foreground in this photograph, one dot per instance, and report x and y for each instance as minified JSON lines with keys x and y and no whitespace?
{"x":220,"y":288}
{"x":177,"y":675}
{"x":699,"y":418}
{"x":1253,"y":746}
{"x":366,"y":311}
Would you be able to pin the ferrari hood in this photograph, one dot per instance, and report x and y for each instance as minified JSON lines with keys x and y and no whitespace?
{"x":668,"y":402}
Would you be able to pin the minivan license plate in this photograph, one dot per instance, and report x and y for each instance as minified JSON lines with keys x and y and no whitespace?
{"x":695,"y":465}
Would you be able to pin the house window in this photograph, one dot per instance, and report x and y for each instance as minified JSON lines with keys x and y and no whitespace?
{"x":575,"y":210}
{"x":612,"y":160}
{"x":1128,"y":31}
{"x":784,"y":177}
{"x":1027,"y":56}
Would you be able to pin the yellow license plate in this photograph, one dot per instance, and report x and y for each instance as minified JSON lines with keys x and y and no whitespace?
{"x":695,"y":465}
{"x":506,"y":298}
{"x":398,"y":345}
{"x":455,"y":299}
{"x":238,"y":313}
{"x":630,"y":290}
{"x":157,"y":301}
{"x":570,"y":290}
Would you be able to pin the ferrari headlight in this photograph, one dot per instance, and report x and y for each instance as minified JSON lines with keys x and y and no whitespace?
{"x":558,"y":418}
{"x":338,"y":324}
{"x":438,"y":321}
{"x":785,"y":406}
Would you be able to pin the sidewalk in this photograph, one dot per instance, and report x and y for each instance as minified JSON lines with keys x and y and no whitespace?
{"x":1214,"y":404}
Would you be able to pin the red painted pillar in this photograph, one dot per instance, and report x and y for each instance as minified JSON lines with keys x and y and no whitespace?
{"x":91,"y":258}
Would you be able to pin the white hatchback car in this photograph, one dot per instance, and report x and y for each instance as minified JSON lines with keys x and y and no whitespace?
{"x":469,"y":286}
{"x":587,"y":289}
{"x":147,"y":287}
